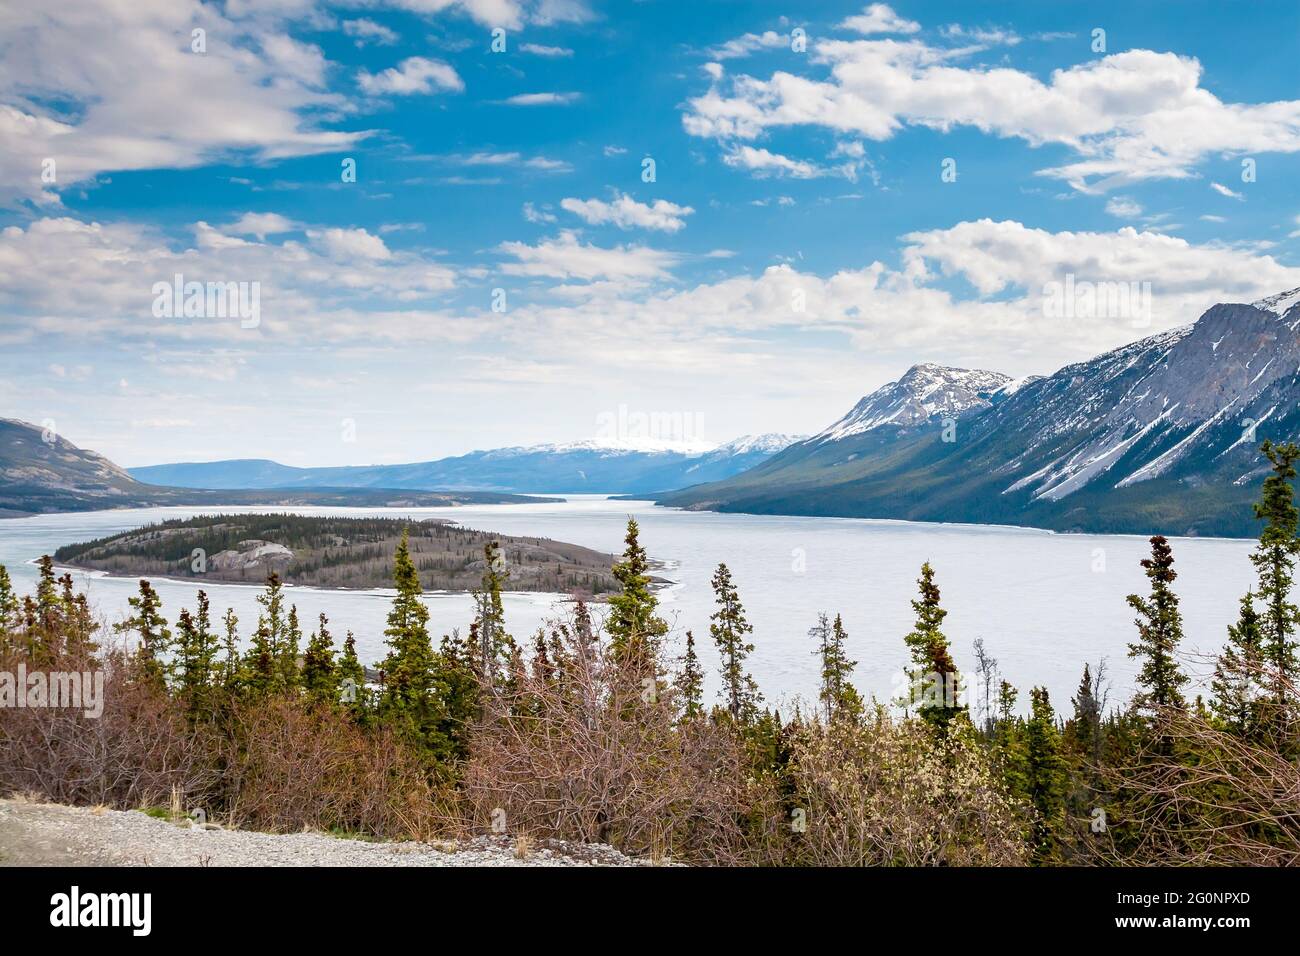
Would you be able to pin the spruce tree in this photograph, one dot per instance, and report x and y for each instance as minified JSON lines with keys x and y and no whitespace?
{"x":9,"y":611}
{"x":1045,"y":769}
{"x":690,"y":681}
{"x":837,"y":694}
{"x":353,"y":693}
{"x":411,"y":699}
{"x":728,"y":629}
{"x":1009,"y":746}
{"x":1085,"y":728}
{"x":230,"y":669}
{"x":319,"y":677}
{"x":1275,"y":561}
{"x":155,"y":637}
{"x":1160,"y":629}
{"x":934,"y":675}
{"x":633,"y":626}
{"x":290,"y":677}
{"x":1237,"y":695}
{"x":193,"y":666}
{"x":264,"y":664}
{"x":492,"y":643}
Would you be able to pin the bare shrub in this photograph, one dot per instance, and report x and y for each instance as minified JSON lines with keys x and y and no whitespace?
{"x":593,"y":752}
{"x":135,"y":754}
{"x":1218,"y":799}
{"x":887,"y":793}
{"x":290,"y":765}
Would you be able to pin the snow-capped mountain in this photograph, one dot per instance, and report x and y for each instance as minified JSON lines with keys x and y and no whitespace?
{"x":1159,"y":435}
{"x":923,"y":393}
{"x":600,"y":466}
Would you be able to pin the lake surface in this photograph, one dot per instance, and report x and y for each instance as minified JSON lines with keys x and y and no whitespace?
{"x":1043,"y":603}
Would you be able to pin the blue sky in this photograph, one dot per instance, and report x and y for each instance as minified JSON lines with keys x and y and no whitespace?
{"x":797,"y":247}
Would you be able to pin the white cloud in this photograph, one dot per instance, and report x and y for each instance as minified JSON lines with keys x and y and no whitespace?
{"x":1209,"y":218}
{"x":1123,"y":207}
{"x":763,"y":162}
{"x":879,"y":18}
{"x":115,"y":70}
{"x":749,"y":43}
{"x":566,"y":258}
{"x":415,"y":74}
{"x":261,"y":224}
{"x":537,"y":49}
{"x":626,"y":213}
{"x":535,"y":215}
{"x":368,"y":31}
{"x":1223,"y":190}
{"x":349,"y":244}
{"x":542,"y":99}
{"x":94,"y":280}
{"x":1127,"y":117}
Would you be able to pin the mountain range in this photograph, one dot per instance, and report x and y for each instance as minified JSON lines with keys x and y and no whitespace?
{"x":1161,"y":435}
{"x":41,"y":472}
{"x":591,"y":466}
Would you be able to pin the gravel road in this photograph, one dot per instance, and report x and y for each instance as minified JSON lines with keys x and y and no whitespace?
{"x":42,"y":834}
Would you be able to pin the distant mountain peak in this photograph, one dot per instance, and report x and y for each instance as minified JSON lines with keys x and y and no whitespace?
{"x":923,"y":392}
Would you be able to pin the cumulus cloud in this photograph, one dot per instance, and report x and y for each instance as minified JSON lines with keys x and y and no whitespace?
{"x":1127,"y":117}
{"x":565,"y":257}
{"x":879,"y":18}
{"x":115,"y":69}
{"x":95,"y":280}
{"x":626,"y":213}
{"x":261,"y":224}
{"x":415,"y":74}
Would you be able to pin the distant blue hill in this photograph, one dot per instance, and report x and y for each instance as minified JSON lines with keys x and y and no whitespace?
{"x":573,"y":468}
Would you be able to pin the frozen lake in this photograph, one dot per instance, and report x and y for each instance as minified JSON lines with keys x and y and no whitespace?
{"x":1043,"y":603}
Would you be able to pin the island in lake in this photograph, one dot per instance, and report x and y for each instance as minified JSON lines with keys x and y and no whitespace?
{"x":337,"y":552}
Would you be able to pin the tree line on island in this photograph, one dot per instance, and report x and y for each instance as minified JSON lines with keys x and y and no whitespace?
{"x":590,"y":731}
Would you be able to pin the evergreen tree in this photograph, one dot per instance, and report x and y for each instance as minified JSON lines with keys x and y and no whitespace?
{"x":690,"y":681}
{"x":934,"y":676}
{"x":150,"y":626}
{"x":196,"y":651}
{"x":353,"y":692}
{"x":1236,"y":689}
{"x":230,"y":669}
{"x":1275,"y":561}
{"x":290,"y":677}
{"x":492,"y":644}
{"x":77,"y":624}
{"x":264,"y":671}
{"x":411,"y":698}
{"x":319,"y":677}
{"x":9,"y":611}
{"x":728,"y":629}
{"x":1160,"y":629}
{"x":838,"y":696}
{"x":457,"y":677}
{"x":1009,"y":747}
{"x":634,"y":627}
{"x":1085,"y":729}
{"x":1045,"y":769}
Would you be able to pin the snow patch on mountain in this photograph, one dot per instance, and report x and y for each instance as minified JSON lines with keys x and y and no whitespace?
{"x":924,"y":392}
{"x":1279,"y":304}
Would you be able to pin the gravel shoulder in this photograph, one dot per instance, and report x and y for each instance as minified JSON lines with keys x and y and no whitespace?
{"x":43,"y":834}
